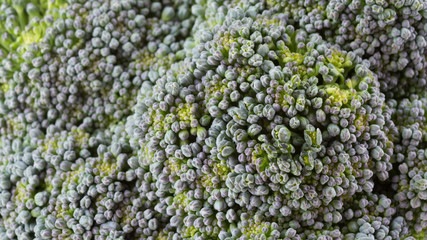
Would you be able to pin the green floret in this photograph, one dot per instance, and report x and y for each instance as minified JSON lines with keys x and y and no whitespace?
{"x":280,"y":111}
{"x":257,"y":229}
{"x":26,"y":21}
{"x":213,"y":119}
{"x":390,"y":35}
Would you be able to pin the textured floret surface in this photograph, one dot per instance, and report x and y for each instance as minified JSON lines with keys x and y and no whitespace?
{"x":213,"y":119}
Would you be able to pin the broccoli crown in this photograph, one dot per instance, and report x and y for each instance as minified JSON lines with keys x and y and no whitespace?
{"x":390,"y":34}
{"x":213,"y":119}
{"x":265,"y":116}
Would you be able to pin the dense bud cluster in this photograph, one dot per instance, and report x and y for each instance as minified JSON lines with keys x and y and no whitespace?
{"x":271,"y":119}
{"x":64,"y":85}
{"x":411,"y":158}
{"x":390,"y":34}
{"x":213,"y":119}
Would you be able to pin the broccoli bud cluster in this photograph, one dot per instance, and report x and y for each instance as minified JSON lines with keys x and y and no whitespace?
{"x":213,"y":119}
{"x":390,"y":34}
{"x":270,"y":119}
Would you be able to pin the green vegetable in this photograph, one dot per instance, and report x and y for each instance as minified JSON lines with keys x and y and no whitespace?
{"x":213,"y":119}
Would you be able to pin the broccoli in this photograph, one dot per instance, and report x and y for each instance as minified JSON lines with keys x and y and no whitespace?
{"x":390,"y":34}
{"x":213,"y":119}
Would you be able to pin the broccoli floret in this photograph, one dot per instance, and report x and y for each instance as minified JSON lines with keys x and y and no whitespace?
{"x":260,"y":116}
{"x":390,"y":34}
{"x":410,"y":159}
{"x":213,"y":119}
